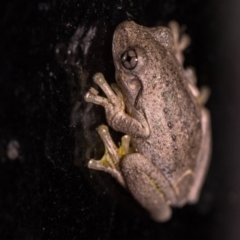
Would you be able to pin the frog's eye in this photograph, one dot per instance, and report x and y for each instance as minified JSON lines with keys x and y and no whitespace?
{"x":129,"y":59}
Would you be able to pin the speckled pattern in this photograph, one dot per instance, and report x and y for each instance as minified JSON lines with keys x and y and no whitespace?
{"x":162,"y":115}
{"x":172,"y":113}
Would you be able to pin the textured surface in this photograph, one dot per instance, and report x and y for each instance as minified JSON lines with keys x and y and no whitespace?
{"x":154,"y":105}
{"x":43,"y":194}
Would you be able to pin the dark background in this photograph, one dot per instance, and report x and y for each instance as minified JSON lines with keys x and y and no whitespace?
{"x":46,"y":190}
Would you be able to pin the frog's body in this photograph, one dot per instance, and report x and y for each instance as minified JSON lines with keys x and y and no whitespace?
{"x":169,"y":128}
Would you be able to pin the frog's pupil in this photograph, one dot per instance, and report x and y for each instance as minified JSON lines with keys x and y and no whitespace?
{"x":128,"y":58}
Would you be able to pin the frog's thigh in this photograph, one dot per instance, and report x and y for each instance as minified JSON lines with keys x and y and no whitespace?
{"x":138,"y":173}
{"x":203,"y":158}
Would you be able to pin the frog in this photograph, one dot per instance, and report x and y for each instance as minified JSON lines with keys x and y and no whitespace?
{"x":163,"y":157}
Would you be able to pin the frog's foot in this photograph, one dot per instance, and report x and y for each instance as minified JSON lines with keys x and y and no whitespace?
{"x":192,"y":81}
{"x":181,"y":41}
{"x":191,"y":75}
{"x":110,"y":161}
{"x":114,"y":95}
{"x":201,"y":95}
{"x":204,"y":95}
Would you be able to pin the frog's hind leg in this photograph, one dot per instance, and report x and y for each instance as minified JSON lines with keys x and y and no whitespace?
{"x":203,"y":158}
{"x":148,"y":186}
{"x":110,"y":161}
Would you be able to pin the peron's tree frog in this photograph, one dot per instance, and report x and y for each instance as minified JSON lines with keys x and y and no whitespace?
{"x":164,"y":157}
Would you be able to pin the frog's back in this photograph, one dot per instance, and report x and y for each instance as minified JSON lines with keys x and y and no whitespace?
{"x":172,"y":113}
{"x":174,"y":118}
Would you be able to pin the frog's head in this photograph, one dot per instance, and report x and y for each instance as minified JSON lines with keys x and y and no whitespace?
{"x":138,"y":53}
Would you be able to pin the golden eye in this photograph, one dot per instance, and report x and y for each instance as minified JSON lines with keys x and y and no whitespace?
{"x":129,"y":59}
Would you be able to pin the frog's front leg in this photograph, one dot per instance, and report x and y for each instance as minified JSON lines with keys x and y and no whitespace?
{"x":110,"y":161}
{"x":201,"y":95}
{"x":114,"y":106}
{"x":181,"y":41}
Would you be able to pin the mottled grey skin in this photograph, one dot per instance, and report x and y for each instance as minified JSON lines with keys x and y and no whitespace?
{"x":158,"y":107}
